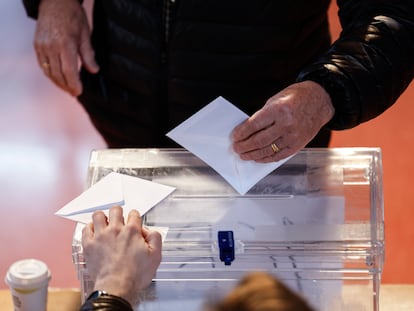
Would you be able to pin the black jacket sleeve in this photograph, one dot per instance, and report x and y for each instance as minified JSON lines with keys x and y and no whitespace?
{"x":106,"y":303}
{"x":31,"y":7}
{"x":372,"y":62}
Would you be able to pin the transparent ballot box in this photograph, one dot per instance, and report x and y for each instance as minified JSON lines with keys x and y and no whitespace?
{"x":316,"y":223}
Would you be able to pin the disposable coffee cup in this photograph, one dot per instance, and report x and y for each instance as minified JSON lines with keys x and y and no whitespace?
{"x":28,"y":280}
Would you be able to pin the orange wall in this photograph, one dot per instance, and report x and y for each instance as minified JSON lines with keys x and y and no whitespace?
{"x":393,"y":132}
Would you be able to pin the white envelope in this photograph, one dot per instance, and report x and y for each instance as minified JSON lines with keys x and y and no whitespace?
{"x":115,"y":189}
{"x":207,"y":134}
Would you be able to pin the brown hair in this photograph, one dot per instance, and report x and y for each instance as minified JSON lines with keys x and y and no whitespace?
{"x":259,"y":291}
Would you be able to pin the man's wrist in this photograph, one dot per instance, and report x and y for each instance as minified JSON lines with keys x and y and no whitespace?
{"x":45,"y":2}
{"x":327,"y":110}
{"x":79,"y":1}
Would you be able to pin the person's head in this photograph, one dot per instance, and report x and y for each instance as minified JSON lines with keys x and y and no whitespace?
{"x":259,"y":291}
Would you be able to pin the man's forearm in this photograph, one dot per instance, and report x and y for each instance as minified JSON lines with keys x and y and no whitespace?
{"x":32,"y":6}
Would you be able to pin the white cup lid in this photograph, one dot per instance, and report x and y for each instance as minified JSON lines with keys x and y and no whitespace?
{"x":27,"y":272}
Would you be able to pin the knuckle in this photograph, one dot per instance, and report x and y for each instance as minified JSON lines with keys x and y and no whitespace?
{"x":254,"y":125}
{"x":114,"y":230}
{"x":86,"y":244}
{"x":39,"y":41}
{"x":130,"y":229}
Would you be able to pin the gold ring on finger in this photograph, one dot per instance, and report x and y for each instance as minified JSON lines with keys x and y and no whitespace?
{"x":275,"y":148}
{"x":46,"y":65}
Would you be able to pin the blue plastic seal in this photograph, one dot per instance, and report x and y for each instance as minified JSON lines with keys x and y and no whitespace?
{"x":226,"y":246}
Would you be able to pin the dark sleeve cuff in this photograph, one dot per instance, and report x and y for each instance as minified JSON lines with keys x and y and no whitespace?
{"x":106,"y":303}
{"x":32,"y":8}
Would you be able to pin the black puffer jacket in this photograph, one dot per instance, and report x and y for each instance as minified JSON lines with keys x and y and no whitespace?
{"x":162,"y":60}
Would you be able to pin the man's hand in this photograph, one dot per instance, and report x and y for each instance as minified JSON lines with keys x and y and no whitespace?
{"x":287,"y":123}
{"x":62,"y":38}
{"x":122,"y":258}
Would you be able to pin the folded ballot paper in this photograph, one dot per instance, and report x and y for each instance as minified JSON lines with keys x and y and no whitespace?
{"x":207,"y":134}
{"x":115,"y":189}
